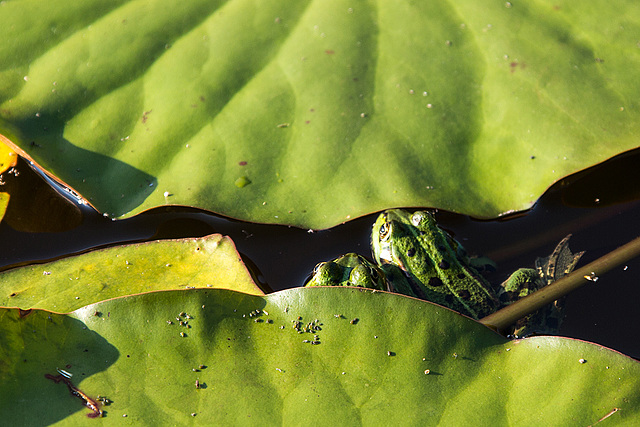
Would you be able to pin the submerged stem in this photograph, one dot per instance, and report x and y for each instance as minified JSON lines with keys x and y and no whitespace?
{"x":508,"y":315}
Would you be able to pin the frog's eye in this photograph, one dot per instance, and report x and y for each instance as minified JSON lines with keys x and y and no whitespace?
{"x":318,"y":266}
{"x":416,"y":219}
{"x":385,"y":231}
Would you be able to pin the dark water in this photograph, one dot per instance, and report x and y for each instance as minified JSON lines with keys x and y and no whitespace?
{"x":599,"y":206}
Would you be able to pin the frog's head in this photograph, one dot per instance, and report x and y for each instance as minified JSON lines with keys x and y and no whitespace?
{"x":392,"y":226}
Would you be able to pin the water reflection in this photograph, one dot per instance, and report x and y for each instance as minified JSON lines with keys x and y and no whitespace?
{"x":599,"y":207}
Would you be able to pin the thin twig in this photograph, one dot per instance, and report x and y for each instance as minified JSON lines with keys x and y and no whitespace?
{"x":505,"y":317}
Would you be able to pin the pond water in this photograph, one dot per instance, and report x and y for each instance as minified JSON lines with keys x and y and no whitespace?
{"x":599,"y":206}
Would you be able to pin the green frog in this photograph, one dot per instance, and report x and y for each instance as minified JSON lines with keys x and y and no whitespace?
{"x":436,"y":265}
{"x":418,"y":258}
{"x":350,"y":270}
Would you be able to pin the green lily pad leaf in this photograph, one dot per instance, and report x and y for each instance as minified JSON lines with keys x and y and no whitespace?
{"x":312,"y":113}
{"x":70,"y":283}
{"x":239,"y":359}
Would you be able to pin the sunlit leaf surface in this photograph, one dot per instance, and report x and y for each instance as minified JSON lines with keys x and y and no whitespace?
{"x":311,"y":113}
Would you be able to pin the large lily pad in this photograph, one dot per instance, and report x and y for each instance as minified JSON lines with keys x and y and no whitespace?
{"x":370,"y":364}
{"x":76,"y":281}
{"x":311,"y":113}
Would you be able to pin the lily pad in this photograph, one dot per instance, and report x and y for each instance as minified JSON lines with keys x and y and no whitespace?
{"x":8,"y":159}
{"x":70,"y":283}
{"x":377,"y":356}
{"x":4,"y":202}
{"x":312,"y":113}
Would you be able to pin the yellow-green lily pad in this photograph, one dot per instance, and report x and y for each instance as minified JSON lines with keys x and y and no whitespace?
{"x":73,"y":282}
{"x":8,"y":159}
